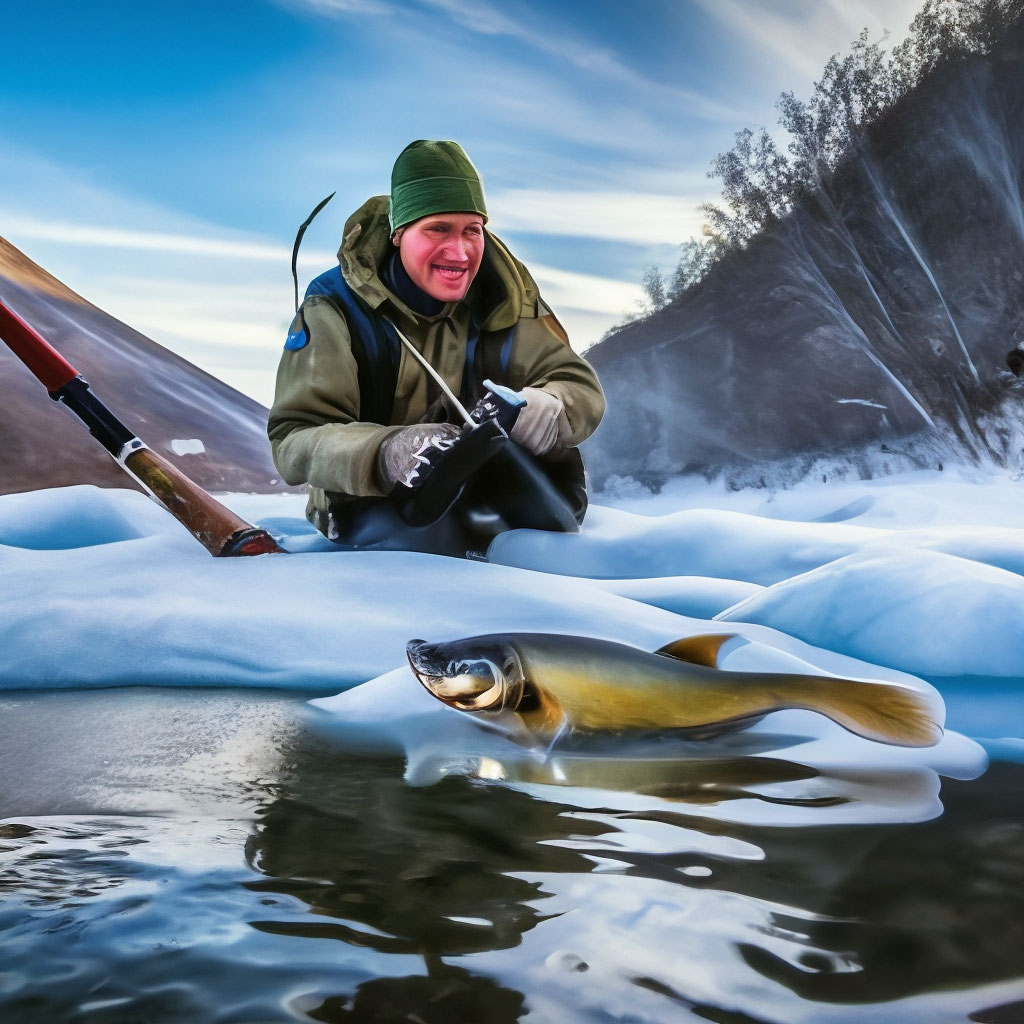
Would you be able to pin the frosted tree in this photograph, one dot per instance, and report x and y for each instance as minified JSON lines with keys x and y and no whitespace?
{"x":761,"y":183}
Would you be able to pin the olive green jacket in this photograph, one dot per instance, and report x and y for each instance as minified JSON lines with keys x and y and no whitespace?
{"x":316,"y":432}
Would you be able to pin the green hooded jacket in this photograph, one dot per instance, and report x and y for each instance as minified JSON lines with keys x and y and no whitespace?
{"x":316,"y":432}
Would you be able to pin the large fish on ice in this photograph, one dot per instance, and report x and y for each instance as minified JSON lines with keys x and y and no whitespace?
{"x":555,"y":683}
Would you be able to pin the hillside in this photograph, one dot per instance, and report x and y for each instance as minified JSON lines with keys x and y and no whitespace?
{"x":161,"y":396}
{"x":881,"y":310}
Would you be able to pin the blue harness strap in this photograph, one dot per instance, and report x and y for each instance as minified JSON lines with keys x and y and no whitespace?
{"x":488,"y":356}
{"x":360,"y":322}
{"x":375,"y":345}
{"x":377,"y":349}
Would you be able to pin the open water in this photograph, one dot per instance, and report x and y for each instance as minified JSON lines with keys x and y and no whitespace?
{"x":177,"y":855}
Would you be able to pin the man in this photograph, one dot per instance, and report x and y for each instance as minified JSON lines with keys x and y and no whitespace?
{"x":357,"y":416}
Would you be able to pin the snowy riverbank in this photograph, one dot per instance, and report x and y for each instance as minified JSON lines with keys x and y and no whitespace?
{"x":919,"y":574}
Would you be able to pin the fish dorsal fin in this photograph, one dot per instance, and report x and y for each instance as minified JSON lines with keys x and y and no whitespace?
{"x":699,"y":650}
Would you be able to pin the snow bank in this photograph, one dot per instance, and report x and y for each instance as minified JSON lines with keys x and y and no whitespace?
{"x":695,"y":542}
{"x":922,"y":611}
{"x":103,"y":588}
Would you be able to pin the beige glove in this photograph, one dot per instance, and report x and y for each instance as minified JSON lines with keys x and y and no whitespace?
{"x":542,"y":423}
{"x":402,"y":454}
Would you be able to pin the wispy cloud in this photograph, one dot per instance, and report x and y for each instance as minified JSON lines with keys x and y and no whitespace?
{"x":636,"y":218}
{"x":96,"y":236}
{"x":801,"y":37}
{"x":564,"y":290}
{"x":564,"y":45}
{"x":235,"y":332}
{"x":557,"y":41}
{"x":339,"y":8}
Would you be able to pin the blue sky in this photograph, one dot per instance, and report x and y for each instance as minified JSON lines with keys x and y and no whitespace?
{"x":158,"y":158}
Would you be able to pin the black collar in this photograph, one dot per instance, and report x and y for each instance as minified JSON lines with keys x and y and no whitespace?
{"x":402,"y":286}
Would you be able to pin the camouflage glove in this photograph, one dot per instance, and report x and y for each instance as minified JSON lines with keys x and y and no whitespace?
{"x":444,"y":468}
{"x":406,"y":457}
{"x":542,"y":422}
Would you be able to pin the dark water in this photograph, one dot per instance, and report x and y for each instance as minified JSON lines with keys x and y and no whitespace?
{"x":204,"y":856}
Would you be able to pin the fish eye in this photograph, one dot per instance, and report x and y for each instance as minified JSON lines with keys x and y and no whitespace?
{"x":478,"y":667}
{"x":478,"y":682}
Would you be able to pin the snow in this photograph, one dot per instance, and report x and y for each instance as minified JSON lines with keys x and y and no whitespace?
{"x":187,"y":446}
{"x":918,"y":575}
{"x":890,"y":579}
{"x":923,"y":611}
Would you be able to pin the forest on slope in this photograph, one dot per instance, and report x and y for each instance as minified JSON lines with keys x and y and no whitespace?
{"x":856,"y":298}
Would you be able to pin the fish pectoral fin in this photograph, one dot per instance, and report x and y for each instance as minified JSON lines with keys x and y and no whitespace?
{"x":698,"y":650}
{"x":545,"y":716}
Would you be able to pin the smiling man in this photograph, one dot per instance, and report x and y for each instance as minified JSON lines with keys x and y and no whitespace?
{"x":357,"y":416}
{"x":442,"y":253}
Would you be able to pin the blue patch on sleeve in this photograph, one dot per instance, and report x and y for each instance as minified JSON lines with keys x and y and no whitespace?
{"x":298,"y":335}
{"x":296,"y":340}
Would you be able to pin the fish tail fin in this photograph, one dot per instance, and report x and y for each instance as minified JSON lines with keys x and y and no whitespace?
{"x":882,"y":711}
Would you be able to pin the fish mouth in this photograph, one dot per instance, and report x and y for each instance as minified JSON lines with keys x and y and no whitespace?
{"x":463,"y":678}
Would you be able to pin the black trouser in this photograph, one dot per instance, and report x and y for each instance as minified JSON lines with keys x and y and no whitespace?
{"x":512,"y":491}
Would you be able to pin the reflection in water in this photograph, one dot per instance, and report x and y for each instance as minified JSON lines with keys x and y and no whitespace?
{"x":944,"y":900}
{"x":341,"y":893}
{"x":709,"y":780}
{"x":631,"y":899}
{"x":427,"y":871}
{"x":447,"y":995}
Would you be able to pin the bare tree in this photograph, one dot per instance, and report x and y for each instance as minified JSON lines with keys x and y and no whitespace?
{"x":760,"y":183}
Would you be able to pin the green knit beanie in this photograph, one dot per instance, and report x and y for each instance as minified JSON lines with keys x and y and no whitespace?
{"x":433,"y":176}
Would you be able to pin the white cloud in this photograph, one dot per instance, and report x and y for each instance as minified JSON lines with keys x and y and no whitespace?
{"x":586,"y":305}
{"x":566,"y":289}
{"x":636,"y":218}
{"x":557,"y":41}
{"x":148,"y":241}
{"x":585,"y":328}
{"x":797,"y":38}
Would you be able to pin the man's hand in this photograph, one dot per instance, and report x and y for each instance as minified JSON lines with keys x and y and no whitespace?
{"x":403,"y":454}
{"x":542,"y":423}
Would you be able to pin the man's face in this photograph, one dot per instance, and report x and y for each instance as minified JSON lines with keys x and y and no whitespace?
{"x":442,"y":253}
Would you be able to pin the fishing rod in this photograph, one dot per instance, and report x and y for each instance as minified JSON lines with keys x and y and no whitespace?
{"x":298,"y":241}
{"x":216,"y":527}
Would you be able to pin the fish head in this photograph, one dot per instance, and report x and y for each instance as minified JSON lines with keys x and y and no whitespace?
{"x":475,"y":674}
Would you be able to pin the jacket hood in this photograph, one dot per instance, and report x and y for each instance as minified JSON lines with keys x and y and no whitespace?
{"x":502,"y":293}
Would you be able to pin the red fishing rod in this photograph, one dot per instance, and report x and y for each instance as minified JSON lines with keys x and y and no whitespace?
{"x":214,"y":525}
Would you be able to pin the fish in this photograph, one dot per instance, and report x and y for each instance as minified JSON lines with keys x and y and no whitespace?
{"x":556,"y":683}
